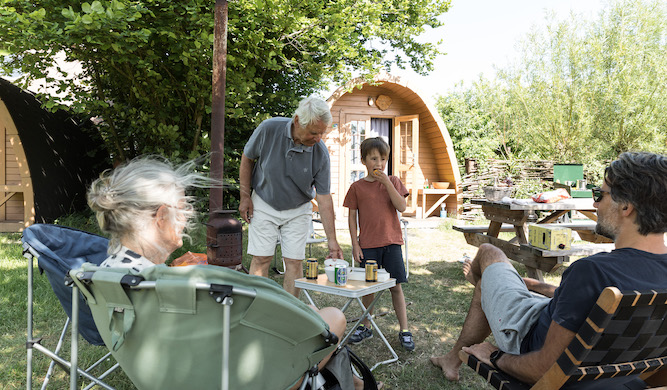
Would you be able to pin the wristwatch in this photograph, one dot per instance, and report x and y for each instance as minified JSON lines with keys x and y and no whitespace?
{"x":495,"y":355}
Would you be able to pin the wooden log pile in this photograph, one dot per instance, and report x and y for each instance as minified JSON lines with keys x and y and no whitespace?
{"x":516,"y":170}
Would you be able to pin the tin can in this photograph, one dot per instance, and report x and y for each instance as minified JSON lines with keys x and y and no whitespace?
{"x":340,"y":275}
{"x":371,"y":271}
{"x":311,"y":268}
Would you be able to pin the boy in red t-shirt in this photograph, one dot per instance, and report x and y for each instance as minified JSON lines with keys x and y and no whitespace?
{"x":375,"y":200}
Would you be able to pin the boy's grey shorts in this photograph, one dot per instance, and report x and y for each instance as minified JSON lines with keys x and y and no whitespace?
{"x":510,"y":308}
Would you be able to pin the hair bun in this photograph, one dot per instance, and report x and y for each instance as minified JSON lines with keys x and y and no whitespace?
{"x":101,"y":195}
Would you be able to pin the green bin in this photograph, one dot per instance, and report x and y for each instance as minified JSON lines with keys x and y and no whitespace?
{"x":571,"y":172}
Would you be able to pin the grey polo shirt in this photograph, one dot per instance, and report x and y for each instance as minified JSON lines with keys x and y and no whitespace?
{"x":285,"y":173}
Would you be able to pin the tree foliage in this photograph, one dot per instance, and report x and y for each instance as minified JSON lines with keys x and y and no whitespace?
{"x":146,"y":65}
{"x":581,"y":90}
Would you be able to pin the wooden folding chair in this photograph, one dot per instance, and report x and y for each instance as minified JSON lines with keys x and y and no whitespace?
{"x":625,"y":334}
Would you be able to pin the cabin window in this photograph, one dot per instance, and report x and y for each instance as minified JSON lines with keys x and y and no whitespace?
{"x":358,"y":135}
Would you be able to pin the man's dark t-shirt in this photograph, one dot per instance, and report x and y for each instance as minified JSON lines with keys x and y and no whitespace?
{"x":582,"y":283}
{"x":584,"y":280}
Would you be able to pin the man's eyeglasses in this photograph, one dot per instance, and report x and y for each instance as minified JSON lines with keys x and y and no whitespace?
{"x":598,"y":194}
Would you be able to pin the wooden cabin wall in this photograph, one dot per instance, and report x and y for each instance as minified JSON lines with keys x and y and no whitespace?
{"x":13,"y":215}
{"x":14,"y":208}
{"x":434,"y":162}
{"x":434,"y":159}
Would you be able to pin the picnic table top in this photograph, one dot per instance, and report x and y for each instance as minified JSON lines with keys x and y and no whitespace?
{"x":566,"y":204}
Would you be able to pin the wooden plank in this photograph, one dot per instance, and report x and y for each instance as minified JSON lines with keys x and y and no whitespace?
{"x":576,"y":250}
{"x":12,"y":188}
{"x":482,"y":228}
{"x":3,"y":155}
{"x":514,"y":217}
{"x":9,"y":226}
{"x":6,"y":198}
{"x":578,"y":225}
{"x":518,"y":253}
{"x":591,"y":236}
{"x":28,"y":201}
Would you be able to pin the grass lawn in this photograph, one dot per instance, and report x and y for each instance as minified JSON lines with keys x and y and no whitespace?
{"x":437,"y":294}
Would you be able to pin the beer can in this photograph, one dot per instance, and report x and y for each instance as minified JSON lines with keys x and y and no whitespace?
{"x":371,"y":271}
{"x":311,"y":268}
{"x":340,"y":274}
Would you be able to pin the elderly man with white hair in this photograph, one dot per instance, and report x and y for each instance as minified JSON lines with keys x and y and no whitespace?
{"x":285,"y":164}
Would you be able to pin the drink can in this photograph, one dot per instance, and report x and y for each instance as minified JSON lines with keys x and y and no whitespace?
{"x":340,"y":274}
{"x":311,"y":268}
{"x":371,"y":271}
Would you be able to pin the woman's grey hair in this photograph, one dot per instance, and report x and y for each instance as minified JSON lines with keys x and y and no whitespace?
{"x":313,"y":109}
{"x":640,"y":178}
{"x":126,"y":199}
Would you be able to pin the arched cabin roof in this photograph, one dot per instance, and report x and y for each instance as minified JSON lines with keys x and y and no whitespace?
{"x":431,"y":125}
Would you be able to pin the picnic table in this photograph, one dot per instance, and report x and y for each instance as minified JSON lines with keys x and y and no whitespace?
{"x":514,"y":217}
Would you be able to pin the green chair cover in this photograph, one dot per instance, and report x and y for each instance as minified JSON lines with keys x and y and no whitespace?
{"x":169,"y":336}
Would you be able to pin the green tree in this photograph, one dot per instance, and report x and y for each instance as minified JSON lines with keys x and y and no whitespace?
{"x":478,"y":120}
{"x":147,"y":64}
{"x":629,"y":77}
{"x":580,"y":91}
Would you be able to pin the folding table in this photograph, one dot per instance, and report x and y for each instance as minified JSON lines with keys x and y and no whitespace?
{"x":353,"y":290}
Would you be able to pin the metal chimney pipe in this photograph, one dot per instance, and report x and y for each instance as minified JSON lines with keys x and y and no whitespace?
{"x":224,"y":233}
{"x":218,"y":102}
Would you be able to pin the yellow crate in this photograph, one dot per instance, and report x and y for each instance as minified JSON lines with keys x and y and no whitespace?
{"x":549,"y":237}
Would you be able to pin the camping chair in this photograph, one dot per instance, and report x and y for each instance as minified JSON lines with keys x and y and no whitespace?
{"x":625,"y":334}
{"x":175,"y":327}
{"x":57,"y":250}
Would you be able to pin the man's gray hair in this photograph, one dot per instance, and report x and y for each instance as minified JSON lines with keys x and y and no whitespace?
{"x":640,"y":178}
{"x":313,"y":109}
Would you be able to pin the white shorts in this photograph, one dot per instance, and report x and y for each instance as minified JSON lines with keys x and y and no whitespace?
{"x":268,"y":226}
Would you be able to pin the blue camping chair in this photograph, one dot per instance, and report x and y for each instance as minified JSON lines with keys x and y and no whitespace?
{"x":59,"y":249}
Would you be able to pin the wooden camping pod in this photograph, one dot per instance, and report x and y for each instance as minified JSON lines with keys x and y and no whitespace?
{"x":46,"y":161}
{"x":421,"y":148}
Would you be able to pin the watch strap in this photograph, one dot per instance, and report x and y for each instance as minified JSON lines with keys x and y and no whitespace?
{"x":495,"y":355}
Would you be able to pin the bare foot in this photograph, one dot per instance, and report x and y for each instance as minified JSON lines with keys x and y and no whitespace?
{"x":449,"y":365}
{"x":359,"y":383}
{"x":467,"y":272}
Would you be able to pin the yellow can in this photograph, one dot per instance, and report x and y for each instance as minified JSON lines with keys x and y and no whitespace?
{"x":311,"y":268}
{"x":371,"y":271}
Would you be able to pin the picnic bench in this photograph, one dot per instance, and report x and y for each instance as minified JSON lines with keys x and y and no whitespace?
{"x":512,"y":217}
{"x":625,"y":334}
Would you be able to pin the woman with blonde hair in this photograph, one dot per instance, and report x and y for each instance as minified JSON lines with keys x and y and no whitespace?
{"x":144,"y":208}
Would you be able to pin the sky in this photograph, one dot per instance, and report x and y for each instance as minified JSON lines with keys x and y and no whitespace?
{"x":478,"y":34}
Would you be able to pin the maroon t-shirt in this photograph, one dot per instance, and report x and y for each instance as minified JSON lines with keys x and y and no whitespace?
{"x":378,"y":220}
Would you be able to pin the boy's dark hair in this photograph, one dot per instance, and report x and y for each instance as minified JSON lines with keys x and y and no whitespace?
{"x":370,"y":144}
{"x":640,"y":179}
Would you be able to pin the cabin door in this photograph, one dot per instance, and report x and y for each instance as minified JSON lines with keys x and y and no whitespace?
{"x":405,"y":150}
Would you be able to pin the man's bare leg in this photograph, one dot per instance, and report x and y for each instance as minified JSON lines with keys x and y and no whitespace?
{"x":293,"y":271}
{"x":260,"y":266}
{"x":475,"y":327}
{"x":467,"y":272}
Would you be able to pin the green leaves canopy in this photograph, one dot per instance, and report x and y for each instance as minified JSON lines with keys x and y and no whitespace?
{"x":146,"y":65}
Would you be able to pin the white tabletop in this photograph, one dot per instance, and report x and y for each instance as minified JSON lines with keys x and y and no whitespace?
{"x":566,"y":204}
{"x":353,"y":288}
